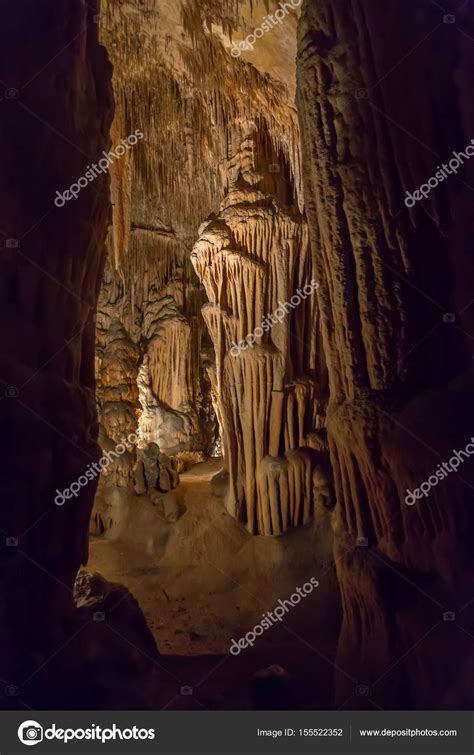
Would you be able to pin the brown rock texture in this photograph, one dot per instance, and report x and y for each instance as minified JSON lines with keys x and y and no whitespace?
{"x":400,"y":372}
{"x":253,"y":258}
{"x":150,"y":299}
{"x":249,"y":279}
{"x":56,"y":109}
{"x":56,"y":112}
{"x":218,"y":133}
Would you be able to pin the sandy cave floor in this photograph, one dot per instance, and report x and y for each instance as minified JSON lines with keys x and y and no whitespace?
{"x":203,"y":580}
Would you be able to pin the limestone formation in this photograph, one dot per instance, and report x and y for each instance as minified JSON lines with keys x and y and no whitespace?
{"x":399,"y":374}
{"x":146,"y":298}
{"x":166,"y":83}
{"x":254,"y":260}
{"x":55,"y":120}
{"x":154,"y":471}
{"x":247,"y":280}
{"x":233,"y":140}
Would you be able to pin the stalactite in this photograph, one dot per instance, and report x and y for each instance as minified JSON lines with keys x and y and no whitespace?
{"x":153,"y":295}
{"x":195,"y":105}
{"x":201,"y":85}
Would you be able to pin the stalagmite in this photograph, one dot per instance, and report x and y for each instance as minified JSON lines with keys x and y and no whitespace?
{"x":252,"y":259}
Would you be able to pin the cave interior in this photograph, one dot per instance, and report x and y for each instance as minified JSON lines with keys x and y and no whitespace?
{"x":236,"y":341}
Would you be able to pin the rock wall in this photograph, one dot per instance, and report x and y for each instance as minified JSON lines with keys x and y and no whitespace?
{"x":56,"y":109}
{"x":396,"y":323}
{"x":56,"y":116}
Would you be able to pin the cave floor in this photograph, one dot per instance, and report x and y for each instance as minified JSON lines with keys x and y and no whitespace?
{"x":203,"y":580}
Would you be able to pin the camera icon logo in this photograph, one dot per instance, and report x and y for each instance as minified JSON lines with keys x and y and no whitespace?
{"x":30,"y":733}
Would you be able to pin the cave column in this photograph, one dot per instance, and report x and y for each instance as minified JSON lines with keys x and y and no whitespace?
{"x":255,"y":263}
